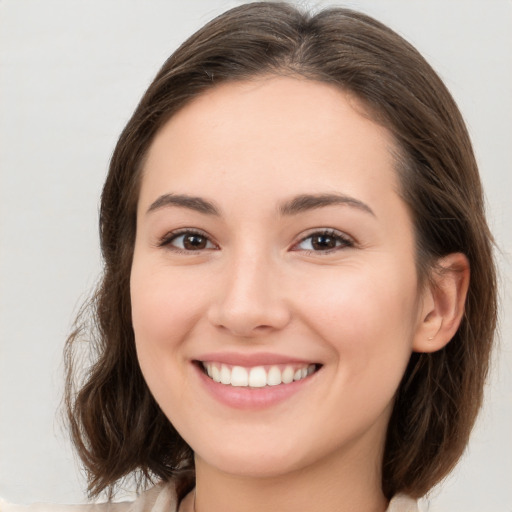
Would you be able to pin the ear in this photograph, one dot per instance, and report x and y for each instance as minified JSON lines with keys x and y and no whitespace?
{"x":443,"y":303}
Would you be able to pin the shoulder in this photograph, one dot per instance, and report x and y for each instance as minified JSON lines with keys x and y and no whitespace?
{"x":48,"y":507}
{"x":160,"y":498}
{"x":402,"y":503}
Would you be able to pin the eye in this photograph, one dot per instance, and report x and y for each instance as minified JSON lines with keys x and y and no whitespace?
{"x":187,"y":241}
{"x":323,"y":241}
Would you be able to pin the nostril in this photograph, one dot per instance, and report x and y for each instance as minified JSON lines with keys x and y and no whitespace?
{"x":247,"y":322}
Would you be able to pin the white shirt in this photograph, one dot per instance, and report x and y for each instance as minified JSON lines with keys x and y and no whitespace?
{"x":161,"y":498}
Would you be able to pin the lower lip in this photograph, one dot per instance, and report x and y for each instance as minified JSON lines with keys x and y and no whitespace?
{"x":251,"y":398}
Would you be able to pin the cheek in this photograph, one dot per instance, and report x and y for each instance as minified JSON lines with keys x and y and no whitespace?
{"x":164,"y":305}
{"x":368,"y":318}
{"x":367,"y":324}
{"x":165,"y":308}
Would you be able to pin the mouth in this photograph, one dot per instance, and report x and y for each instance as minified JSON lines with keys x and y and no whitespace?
{"x":257,"y":376}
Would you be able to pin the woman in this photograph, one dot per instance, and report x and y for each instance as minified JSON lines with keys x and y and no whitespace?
{"x":289,"y":226}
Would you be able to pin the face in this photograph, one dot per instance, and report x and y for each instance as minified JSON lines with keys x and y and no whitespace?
{"x":274,"y":291}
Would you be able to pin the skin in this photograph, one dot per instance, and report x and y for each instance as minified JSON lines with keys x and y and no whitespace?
{"x":257,"y":284}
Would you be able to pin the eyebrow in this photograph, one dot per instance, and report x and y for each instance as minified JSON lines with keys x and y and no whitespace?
{"x":294,"y":206}
{"x":307,"y":202}
{"x":197,"y":204}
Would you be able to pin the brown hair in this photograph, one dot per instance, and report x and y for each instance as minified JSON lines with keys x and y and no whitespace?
{"x":116,"y":424}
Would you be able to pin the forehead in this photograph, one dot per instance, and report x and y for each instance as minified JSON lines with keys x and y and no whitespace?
{"x":268,"y":134}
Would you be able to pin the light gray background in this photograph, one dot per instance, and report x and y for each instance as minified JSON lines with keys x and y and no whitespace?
{"x":71,"y":73}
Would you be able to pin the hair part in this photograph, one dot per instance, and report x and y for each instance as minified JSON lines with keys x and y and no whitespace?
{"x":117,"y":426}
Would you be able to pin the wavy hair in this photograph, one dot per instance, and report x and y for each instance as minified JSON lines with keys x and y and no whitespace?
{"x":117,"y":427}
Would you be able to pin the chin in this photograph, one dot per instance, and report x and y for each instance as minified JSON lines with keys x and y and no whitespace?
{"x":261,"y":464}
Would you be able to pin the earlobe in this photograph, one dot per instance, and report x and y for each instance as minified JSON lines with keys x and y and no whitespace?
{"x":443,"y":303}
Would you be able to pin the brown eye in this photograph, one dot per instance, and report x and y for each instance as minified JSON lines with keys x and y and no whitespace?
{"x":187,"y":241}
{"x":324,"y":241}
{"x":194,"y":242}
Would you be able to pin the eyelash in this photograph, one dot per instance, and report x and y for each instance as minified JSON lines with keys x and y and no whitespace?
{"x":167,"y":240}
{"x":341,"y":240}
{"x":338,"y":236}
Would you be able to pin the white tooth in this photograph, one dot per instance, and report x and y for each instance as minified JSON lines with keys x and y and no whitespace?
{"x":225,"y":374}
{"x":257,"y":377}
{"x":311,"y":369}
{"x":239,"y":376}
{"x":304,"y":373}
{"x":297,"y":375}
{"x":287,"y":375}
{"x":274,"y":376}
{"x":208,"y":368}
{"x":215,"y":373}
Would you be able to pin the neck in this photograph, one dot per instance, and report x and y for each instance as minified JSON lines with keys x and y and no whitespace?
{"x":338,"y":484}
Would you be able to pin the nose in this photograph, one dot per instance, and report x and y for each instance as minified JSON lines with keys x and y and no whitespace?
{"x":251,"y":300}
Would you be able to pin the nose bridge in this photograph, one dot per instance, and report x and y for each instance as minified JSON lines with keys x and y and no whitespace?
{"x":251,"y":298}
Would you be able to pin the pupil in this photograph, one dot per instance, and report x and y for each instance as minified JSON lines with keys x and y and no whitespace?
{"x":322,"y":242}
{"x":194,"y":242}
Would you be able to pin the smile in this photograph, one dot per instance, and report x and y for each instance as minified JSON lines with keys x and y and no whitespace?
{"x":256,"y":376}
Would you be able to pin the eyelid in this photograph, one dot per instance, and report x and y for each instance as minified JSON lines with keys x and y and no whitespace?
{"x":166,"y":240}
{"x":347,"y":241}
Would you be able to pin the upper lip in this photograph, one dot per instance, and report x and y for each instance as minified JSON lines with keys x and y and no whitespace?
{"x":249,"y":360}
